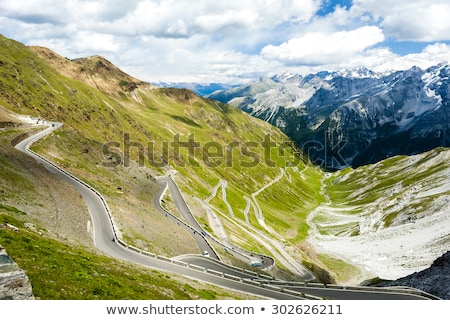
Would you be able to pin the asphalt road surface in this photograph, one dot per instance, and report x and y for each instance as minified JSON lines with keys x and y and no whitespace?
{"x":104,"y":232}
{"x":189,"y":223}
{"x":105,"y":239}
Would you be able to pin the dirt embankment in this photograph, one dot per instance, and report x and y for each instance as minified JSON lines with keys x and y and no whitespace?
{"x":7,"y":121}
{"x":50,"y":203}
{"x":22,"y":136}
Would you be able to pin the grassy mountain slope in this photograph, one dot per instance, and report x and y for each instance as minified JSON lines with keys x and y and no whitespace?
{"x":95,"y":71}
{"x":115,"y":135}
{"x":116,"y":128}
{"x":58,"y":271}
{"x":54,"y":236}
{"x":391,"y":218}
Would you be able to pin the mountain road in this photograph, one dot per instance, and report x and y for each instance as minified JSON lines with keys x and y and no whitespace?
{"x":106,"y":240}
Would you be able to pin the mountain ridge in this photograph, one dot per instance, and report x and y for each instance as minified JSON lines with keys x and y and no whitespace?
{"x":300,"y":209}
{"x":119,"y":142}
{"x":344,"y":118}
{"x":426,"y":280}
{"x":96,"y":70}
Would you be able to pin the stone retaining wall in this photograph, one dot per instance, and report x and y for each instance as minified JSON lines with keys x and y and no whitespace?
{"x":14,"y":283}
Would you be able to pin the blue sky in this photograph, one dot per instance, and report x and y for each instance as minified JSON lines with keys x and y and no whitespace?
{"x":236,"y":40}
{"x":328,"y":6}
{"x":405,"y":47}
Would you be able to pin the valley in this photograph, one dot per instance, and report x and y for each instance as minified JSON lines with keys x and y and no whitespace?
{"x":351,"y":118}
{"x":387,"y":218}
{"x":205,"y":270}
{"x":247,"y":185}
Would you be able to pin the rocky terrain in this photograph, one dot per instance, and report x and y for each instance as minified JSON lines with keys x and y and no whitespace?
{"x":353,"y":117}
{"x":389,"y":219}
{"x":120,"y":133}
{"x":14,"y":283}
{"x":434,"y":280}
{"x":96,"y":71}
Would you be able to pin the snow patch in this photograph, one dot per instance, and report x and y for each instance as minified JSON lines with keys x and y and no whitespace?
{"x":394,"y":252}
{"x":419,"y":218}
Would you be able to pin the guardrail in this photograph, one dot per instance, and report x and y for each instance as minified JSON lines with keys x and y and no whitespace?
{"x":206,"y":234}
{"x":267,"y":282}
{"x":133,"y":248}
{"x":98,"y":194}
{"x":179,"y":221}
{"x":406,"y":290}
{"x":203,"y":233}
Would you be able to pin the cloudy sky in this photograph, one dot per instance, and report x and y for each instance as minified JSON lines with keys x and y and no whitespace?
{"x":235,"y":40}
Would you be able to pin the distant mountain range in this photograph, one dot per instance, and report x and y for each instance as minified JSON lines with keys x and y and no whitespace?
{"x":386,"y":220}
{"x":353,"y":117}
{"x":198,"y":88}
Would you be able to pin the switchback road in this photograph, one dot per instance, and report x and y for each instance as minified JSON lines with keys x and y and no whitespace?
{"x":105,"y":239}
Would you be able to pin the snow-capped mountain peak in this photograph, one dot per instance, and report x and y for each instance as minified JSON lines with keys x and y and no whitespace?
{"x":359,"y":72}
{"x":287,"y":77}
{"x":354,"y":117}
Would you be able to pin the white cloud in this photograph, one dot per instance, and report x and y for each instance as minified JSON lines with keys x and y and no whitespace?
{"x":318,"y":48}
{"x":430,"y":23}
{"x":384,"y":60}
{"x":210,"y":64}
{"x":406,"y":20}
{"x":95,"y":42}
{"x":431,"y":55}
{"x":176,"y":18}
{"x":206,"y":40}
{"x":165,"y":38}
{"x":215,"y":22}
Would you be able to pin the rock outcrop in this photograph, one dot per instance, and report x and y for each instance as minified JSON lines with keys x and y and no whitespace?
{"x":434,"y":280}
{"x":14,"y":283}
{"x":355,"y":117}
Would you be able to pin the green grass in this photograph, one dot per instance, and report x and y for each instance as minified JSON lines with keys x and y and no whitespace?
{"x":58,"y":271}
{"x":94,"y":118}
{"x":10,"y":173}
{"x":343,"y":270}
{"x":91,"y":118}
{"x":390,"y":188}
{"x":6,"y":217}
